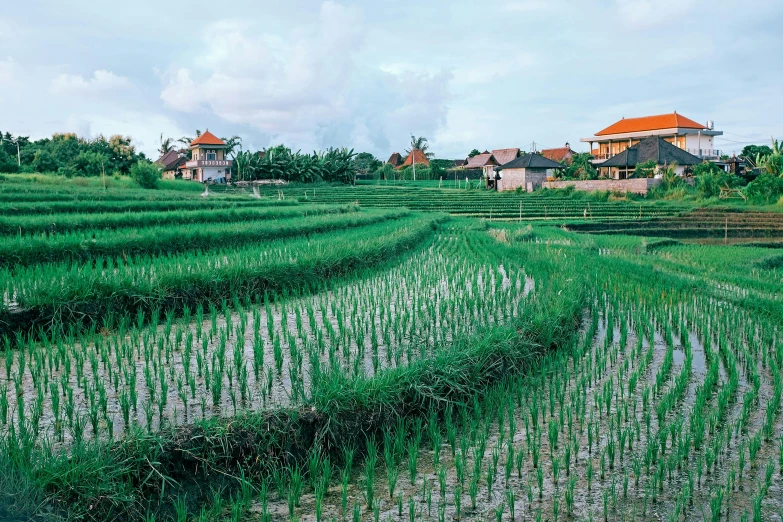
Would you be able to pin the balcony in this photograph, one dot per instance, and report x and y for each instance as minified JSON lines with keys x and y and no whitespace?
{"x":706,"y":153}
{"x":208,"y":163}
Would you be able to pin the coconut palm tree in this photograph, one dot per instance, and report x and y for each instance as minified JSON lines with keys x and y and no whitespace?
{"x":421,"y":143}
{"x":165,"y":145}
{"x":232,"y":144}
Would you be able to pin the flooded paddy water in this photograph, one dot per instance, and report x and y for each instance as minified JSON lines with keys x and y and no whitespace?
{"x":224,"y":360}
{"x":650,"y":415}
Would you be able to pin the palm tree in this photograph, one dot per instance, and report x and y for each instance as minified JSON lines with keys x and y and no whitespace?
{"x":421,"y":143}
{"x":187,"y":140}
{"x":165,"y":145}
{"x":772,"y":163}
{"x":232,"y":144}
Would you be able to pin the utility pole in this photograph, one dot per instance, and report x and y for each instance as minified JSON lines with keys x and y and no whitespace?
{"x":18,"y":155}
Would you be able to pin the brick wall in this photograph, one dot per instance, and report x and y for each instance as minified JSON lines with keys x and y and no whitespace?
{"x":519,"y":178}
{"x":636,"y":186}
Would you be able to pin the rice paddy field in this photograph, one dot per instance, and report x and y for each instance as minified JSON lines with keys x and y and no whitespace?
{"x":374,"y":354}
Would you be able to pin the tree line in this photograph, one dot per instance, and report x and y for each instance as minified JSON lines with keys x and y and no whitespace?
{"x":68,"y":154}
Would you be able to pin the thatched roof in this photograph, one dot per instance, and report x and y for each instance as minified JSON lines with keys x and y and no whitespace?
{"x":395,"y":159}
{"x":653,"y":148}
{"x":530,"y":161}
{"x":481,"y":160}
{"x":503,"y":156}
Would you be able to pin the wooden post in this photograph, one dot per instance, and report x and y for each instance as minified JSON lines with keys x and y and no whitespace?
{"x":726,"y":231}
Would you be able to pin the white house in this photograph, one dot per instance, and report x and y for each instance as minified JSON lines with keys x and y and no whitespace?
{"x":208,"y":162}
{"x":676,"y":129}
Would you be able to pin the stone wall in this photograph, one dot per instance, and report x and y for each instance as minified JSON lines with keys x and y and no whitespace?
{"x":636,"y":186}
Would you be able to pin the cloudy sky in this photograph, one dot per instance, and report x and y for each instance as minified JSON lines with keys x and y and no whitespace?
{"x":367,"y":74}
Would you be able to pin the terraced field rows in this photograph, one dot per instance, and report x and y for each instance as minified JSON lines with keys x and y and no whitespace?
{"x":479,"y":203}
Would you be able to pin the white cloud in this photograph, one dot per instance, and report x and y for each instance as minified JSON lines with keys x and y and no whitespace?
{"x":308,"y":90}
{"x":525,"y":6}
{"x":649,"y":13}
{"x":101,"y":81}
{"x":7,"y":71}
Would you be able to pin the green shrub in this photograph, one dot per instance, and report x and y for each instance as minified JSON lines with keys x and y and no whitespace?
{"x":89,"y":163}
{"x":145,"y":174}
{"x":43,"y":161}
{"x":710,"y":179}
{"x":766,"y":188}
{"x":645,"y":170}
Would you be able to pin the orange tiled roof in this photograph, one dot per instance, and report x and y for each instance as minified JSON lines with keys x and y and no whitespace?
{"x":207,"y":139}
{"x":419,"y":156}
{"x":559,"y":154}
{"x":649,"y":123}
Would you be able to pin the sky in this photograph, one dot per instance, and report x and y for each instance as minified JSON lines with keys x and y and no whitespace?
{"x":367,"y":74}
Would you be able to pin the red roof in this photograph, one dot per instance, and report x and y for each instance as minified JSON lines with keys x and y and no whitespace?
{"x":207,"y":139}
{"x":560,"y":154}
{"x":503,"y":156}
{"x":418,"y":155}
{"x":649,"y":123}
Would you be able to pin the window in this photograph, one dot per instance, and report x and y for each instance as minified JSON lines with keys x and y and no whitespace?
{"x":211,"y":155}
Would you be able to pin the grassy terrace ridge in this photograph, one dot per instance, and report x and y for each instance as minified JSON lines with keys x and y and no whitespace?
{"x":60,"y":223}
{"x":697,"y":223}
{"x":483,"y":203}
{"x":94,"y":246}
{"x":172,"y":239}
{"x":95,"y":207}
{"x":55,"y":296}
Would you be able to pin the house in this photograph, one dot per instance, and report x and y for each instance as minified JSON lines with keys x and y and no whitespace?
{"x":395,"y":160}
{"x":416,"y":157}
{"x":527,"y":172}
{"x":656,"y":149}
{"x":484,"y":161}
{"x":560,"y":154}
{"x":487,"y":161}
{"x":208,"y":161}
{"x":682,"y":132}
{"x":170,"y":162}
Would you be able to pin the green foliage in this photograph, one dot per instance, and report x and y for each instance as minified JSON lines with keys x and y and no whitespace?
{"x":89,"y":163}
{"x":331,"y":165}
{"x":366,"y":163}
{"x":580,"y":167}
{"x":145,"y":174}
{"x":70,"y":155}
{"x":7,"y":163}
{"x":441,"y":164}
{"x":766,"y":188}
{"x":753,"y":151}
{"x":645,"y":170}
{"x":474,"y":152}
{"x":710,"y":179}
{"x":44,"y":161}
